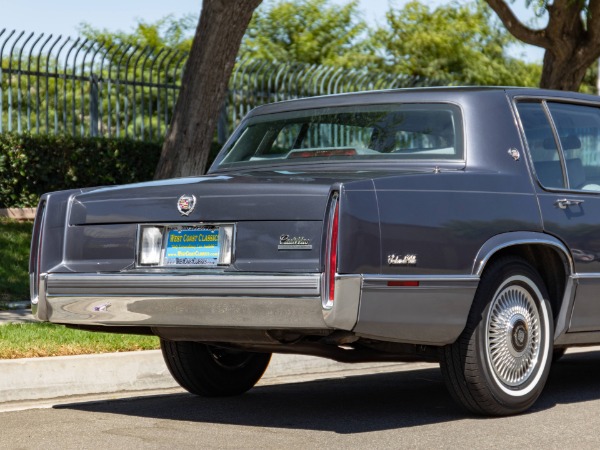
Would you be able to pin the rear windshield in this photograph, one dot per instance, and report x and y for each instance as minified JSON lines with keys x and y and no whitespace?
{"x":370,"y":132}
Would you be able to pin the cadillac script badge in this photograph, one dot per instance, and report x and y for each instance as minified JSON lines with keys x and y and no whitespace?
{"x":287,"y":242}
{"x":186,"y":204}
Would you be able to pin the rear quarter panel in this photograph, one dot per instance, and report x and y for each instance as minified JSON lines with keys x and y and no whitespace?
{"x":444,"y":219}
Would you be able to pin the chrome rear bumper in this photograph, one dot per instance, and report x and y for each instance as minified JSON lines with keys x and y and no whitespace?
{"x":249,"y":301}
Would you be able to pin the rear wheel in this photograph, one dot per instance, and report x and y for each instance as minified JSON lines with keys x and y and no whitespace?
{"x":500,"y":363}
{"x":212,"y":371}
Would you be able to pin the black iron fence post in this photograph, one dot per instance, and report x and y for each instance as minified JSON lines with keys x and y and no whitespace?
{"x":94,"y":105}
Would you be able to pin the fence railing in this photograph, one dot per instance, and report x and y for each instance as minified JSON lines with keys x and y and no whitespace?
{"x":256,"y":82}
{"x":76,"y":86}
{"x":59,"y":85}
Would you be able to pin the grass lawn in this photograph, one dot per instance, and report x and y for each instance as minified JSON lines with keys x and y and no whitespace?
{"x":15,"y":238}
{"x":27,"y":340}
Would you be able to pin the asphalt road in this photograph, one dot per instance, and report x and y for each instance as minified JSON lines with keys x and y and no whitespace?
{"x":409,"y":408}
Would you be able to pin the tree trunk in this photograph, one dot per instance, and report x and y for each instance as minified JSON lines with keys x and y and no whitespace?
{"x":562,"y":74}
{"x":571,"y":39}
{"x":217,"y":40}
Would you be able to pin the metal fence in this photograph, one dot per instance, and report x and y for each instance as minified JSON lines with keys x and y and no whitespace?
{"x":80,"y":87}
{"x":256,"y":82}
{"x":59,"y":85}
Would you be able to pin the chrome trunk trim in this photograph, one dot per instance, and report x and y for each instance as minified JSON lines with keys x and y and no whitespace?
{"x":157,"y":285}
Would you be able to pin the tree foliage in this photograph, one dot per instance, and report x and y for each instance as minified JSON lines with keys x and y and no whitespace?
{"x":169,"y":31}
{"x":458,"y":43}
{"x":571,"y":38}
{"x":308,"y":31}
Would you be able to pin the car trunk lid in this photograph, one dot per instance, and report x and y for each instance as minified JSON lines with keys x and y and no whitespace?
{"x":216,"y":198}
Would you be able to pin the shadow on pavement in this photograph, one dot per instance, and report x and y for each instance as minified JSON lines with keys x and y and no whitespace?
{"x":573,"y":379}
{"x":356,"y":404}
{"x":351,"y":405}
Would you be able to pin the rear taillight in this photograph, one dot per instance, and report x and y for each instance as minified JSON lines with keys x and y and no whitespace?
{"x":331,"y":255}
{"x":35,"y":254}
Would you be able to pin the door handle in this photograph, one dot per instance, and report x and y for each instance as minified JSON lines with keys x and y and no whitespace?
{"x":564,"y":203}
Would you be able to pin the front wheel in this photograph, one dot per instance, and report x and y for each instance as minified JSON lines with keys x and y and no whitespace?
{"x":500,"y":363}
{"x":212,"y":371}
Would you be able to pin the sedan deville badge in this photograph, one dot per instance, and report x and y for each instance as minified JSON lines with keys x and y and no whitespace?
{"x":407,"y":260}
{"x":293,"y":243}
{"x":186,"y":204}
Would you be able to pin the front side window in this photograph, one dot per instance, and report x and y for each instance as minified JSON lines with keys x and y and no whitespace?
{"x":564,"y":143}
{"x":370,"y":132}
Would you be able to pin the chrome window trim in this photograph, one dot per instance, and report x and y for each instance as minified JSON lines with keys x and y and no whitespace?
{"x":550,"y":98}
{"x":543,"y":100}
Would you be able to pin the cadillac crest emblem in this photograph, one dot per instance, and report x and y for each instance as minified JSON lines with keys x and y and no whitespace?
{"x":186,"y":204}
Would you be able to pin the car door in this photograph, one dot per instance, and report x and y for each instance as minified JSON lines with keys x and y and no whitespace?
{"x":564,"y":145}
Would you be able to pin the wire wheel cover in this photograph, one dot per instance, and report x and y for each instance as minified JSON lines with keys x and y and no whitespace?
{"x":513,"y":335}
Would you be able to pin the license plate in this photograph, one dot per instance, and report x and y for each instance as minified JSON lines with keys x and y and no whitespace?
{"x":192,"y":246}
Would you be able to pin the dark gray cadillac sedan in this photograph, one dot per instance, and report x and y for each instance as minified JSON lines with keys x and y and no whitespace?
{"x":456,"y":225}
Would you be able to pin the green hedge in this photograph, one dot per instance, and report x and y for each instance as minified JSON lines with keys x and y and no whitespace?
{"x":14,"y":257}
{"x":31,"y":165}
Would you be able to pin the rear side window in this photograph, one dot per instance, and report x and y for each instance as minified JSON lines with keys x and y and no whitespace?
{"x":542,"y":145}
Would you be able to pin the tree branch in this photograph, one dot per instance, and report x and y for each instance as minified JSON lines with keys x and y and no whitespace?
{"x":593,"y":23}
{"x":516,"y":27}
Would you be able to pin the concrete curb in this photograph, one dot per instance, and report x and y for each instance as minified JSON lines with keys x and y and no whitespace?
{"x":61,"y":376}
{"x":52,"y":377}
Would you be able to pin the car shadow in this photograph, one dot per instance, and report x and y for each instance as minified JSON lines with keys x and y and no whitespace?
{"x":354,"y":404}
{"x":573,"y":379}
